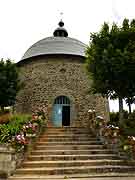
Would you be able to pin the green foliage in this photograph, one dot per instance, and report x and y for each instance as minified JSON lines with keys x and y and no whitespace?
{"x":4,"y":134}
{"x":130,"y":100}
{"x":5,"y":111}
{"x":110,"y":61}
{"x":13,"y":127}
{"x":20,"y":128}
{"x":125,"y":146}
{"x":114,"y":118}
{"x":9,"y":83}
{"x":128,"y":125}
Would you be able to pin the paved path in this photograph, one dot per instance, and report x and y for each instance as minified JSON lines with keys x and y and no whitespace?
{"x":105,"y":178}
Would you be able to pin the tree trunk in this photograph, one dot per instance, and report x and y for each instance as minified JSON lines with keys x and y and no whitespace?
{"x":120,"y":110}
{"x":2,"y":109}
{"x":129,"y":106}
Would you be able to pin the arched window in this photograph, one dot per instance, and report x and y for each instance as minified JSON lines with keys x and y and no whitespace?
{"x":62,"y":100}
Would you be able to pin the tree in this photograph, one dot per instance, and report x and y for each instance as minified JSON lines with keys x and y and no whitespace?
{"x":110,"y":60}
{"x":130,"y":98}
{"x":9,"y":83}
{"x":129,"y":102}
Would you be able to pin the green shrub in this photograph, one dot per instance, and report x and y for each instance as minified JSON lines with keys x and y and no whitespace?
{"x":20,"y":127}
{"x":128,"y":126}
{"x":5,"y":111}
{"x":12,"y":127}
{"x":114,"y":118}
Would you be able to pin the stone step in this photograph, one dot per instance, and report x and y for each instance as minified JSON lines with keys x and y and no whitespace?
{"x":67,"y":152}
{"x":69,"y":135}
{"x":91,"y":176}
{"x":69,"y":129}
{"x":111,"y":178}
{"x":108,"y":178}
{"x":35,"y":164}
{"x":73,"y":170}
{"x":69,"y":147}
{"x":85,"y":131}
{"x":69,"y":143}
{"x":71,"y":157}
{"x":59,"y":139}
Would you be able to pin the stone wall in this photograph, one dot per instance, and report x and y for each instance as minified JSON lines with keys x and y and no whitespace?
{"x":45,"y":78}
{"x":9,"y":159}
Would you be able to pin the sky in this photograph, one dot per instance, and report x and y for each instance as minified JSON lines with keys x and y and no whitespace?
{"x":24,"y":22}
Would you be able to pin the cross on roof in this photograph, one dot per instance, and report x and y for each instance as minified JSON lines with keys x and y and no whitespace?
{"x":61,"y":14}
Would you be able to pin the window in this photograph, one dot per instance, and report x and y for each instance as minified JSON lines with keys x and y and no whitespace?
{"x":62,"y":100}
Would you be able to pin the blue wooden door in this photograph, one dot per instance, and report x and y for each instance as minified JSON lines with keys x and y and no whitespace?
{"x":57,"y":115}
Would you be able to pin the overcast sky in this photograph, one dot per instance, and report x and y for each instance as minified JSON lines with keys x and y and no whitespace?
{"x":23,"y":22}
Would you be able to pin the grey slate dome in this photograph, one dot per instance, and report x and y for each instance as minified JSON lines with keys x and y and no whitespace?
{"x":60,"y":43}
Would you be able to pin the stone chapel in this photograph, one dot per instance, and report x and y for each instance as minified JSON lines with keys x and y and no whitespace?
{"x":54,"y":76}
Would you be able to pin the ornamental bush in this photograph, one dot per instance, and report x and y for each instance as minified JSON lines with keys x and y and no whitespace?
{"x":128,"y":125}
{"x":13,"y":127}
{"x":20,"y":127}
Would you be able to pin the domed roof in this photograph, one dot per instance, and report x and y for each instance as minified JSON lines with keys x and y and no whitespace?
{"x":60,"y":43}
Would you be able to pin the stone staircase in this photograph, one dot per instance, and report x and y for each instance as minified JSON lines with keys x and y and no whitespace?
{"x":72,"y":153}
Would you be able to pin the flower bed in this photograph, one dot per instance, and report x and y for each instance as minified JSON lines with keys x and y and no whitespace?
{"x":18,"y":131}
{"x":16,"y":136}
{"x":113,"y":137}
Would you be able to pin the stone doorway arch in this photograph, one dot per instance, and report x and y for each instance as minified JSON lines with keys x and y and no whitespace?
{"x":61,"y":111}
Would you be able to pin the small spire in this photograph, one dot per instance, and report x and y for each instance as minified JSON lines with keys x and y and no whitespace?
{"x":60,"y":31}
{"x":61,"y":14}
{"x":61,"y":23}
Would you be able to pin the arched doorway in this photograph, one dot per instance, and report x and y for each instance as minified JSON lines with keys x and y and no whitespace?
{"x":61,"y":111}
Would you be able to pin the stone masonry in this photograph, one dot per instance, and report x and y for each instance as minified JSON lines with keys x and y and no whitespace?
{"x":46,"y":77}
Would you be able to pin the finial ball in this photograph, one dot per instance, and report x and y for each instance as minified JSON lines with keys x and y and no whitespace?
{"x":61,"y":23}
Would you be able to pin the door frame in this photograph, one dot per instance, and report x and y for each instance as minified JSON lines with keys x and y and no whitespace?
{"x":60,"y":101}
